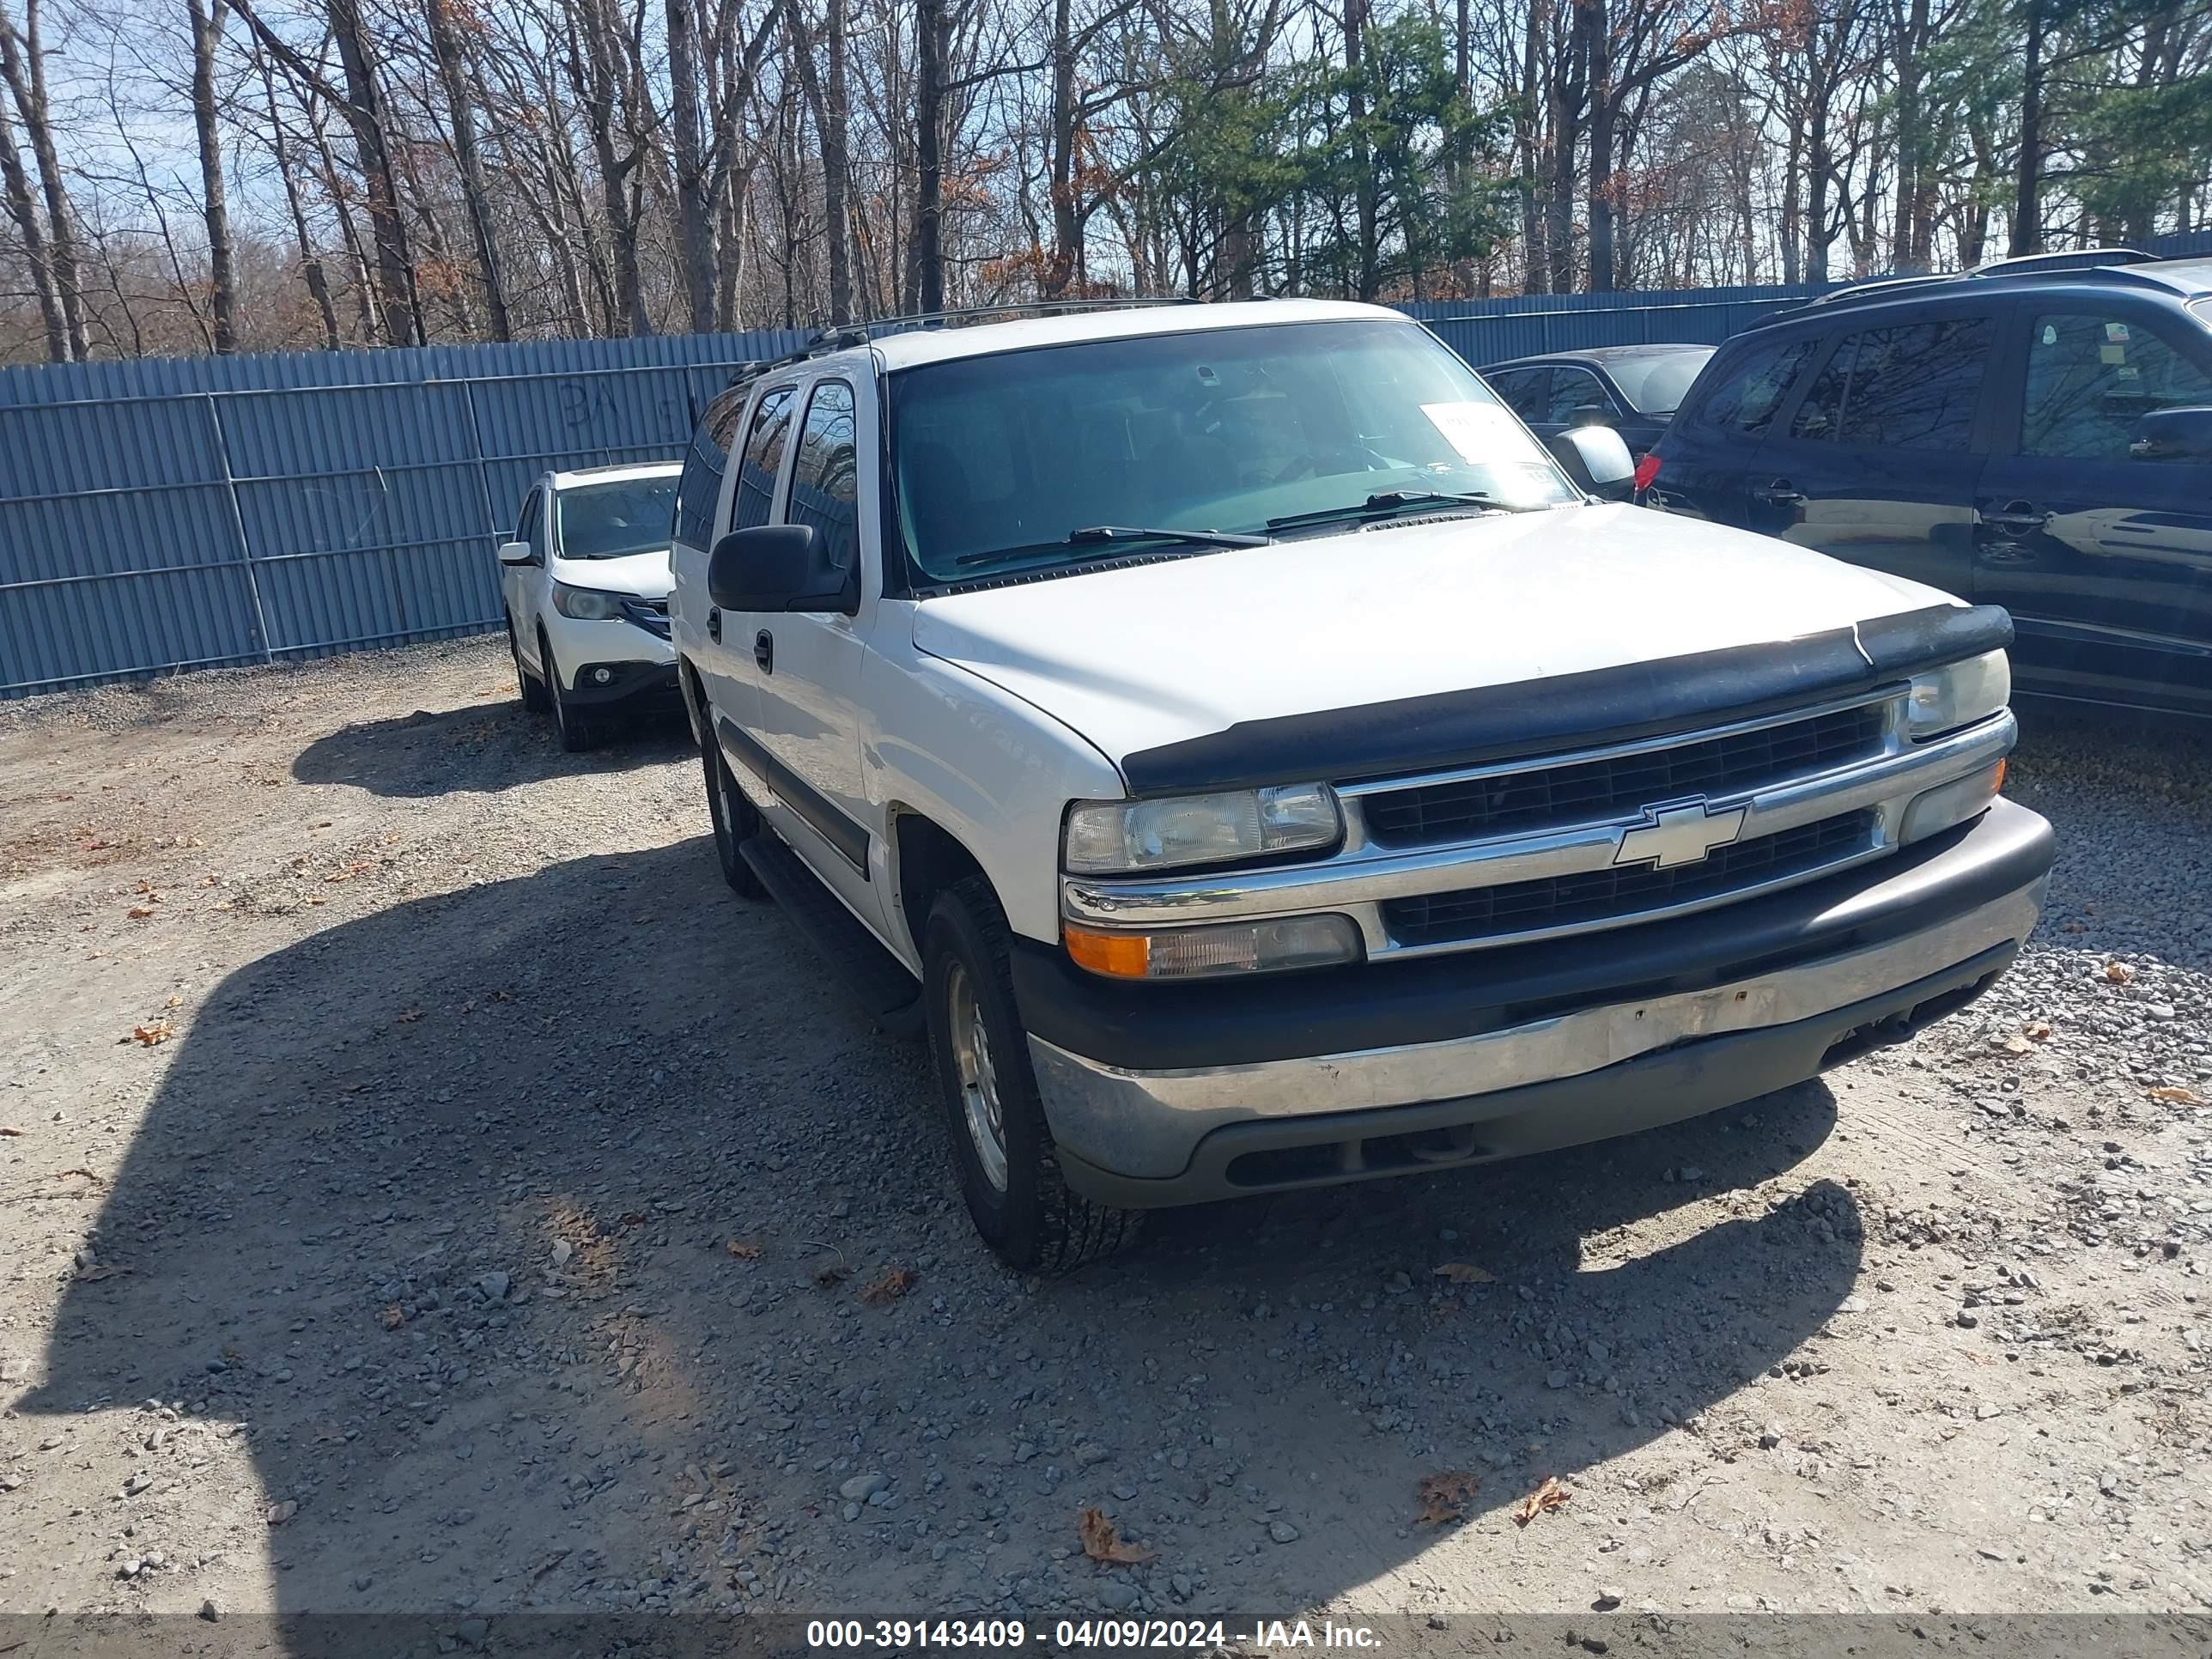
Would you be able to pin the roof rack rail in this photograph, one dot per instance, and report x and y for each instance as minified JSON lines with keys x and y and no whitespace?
{"x":1879,"y":287}
{"x":2084,"y":257}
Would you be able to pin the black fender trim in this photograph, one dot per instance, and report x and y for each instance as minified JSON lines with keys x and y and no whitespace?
{"x":1568,"y":711}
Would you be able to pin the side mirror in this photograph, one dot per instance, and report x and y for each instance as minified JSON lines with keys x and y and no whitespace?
{"x":1597,"y":460}
{"x":517,"y":553}
{"x":2174,"y":434}
{"x":776,"y":566}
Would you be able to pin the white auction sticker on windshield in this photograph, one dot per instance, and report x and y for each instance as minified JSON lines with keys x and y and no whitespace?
{"x":1477,"y":431}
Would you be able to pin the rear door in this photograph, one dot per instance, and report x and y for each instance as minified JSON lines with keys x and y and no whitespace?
{"x":2103,"y":555}
{"x":1877,"y":461}
{"x":1527,"y":393}
{"x":1710,"y":449}
{"x":726,"y":655}
{"x":698,"y":497}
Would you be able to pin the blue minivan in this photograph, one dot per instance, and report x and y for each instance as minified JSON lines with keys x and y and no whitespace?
{"x":2036,"y":433}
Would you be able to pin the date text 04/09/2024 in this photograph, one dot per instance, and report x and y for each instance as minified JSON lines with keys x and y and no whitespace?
{"x":896,"y":1635}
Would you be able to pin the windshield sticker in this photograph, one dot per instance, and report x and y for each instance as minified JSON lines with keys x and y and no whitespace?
{"x":1476,"y":431}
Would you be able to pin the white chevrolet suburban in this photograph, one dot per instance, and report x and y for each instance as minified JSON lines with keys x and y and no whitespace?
{"x":1259,"y":763}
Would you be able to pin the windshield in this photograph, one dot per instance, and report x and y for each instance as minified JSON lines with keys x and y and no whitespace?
{"x":1655,"y":385}
{"x":606,"y":520}
{"x":1000,"y":459}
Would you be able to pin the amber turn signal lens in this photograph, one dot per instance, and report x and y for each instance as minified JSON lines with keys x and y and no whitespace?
{"x":1999,"y":784}
{"x":1122,"y":956}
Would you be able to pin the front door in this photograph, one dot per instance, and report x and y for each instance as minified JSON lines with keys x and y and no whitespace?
{"x":807,"y":716}
{"x":2101,"y":549}
{"x":1877,"y":461}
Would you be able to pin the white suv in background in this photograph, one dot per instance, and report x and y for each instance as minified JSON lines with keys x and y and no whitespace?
{"x":585,"y":585}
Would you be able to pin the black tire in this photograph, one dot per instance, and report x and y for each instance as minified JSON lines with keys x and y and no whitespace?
{"x":533,"y":692}
{"x":735,"y":819}
{"x":1033,"y":1221}
{"x":568,"y":725}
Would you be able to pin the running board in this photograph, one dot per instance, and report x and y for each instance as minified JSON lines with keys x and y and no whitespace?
{"x":878,"y":978}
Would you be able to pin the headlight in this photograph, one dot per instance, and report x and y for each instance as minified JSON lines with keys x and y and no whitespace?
{"x":1106,"y":838}
{"x":1958,"y":693}
{"x":1241,"y":947}
{"x":586,"y":604}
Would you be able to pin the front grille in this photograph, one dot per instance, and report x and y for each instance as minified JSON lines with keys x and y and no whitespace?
{"x":1620,"y":894}
{"x":1592,"y":790}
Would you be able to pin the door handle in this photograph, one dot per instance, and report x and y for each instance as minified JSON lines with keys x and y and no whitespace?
{"x":1779,"y":494}
{"x":2017,"y":518}
{"x":764,"y":651}
{"x":714,"y":624}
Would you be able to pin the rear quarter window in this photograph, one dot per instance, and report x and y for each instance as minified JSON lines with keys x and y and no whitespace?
{"x":1749,"y":390}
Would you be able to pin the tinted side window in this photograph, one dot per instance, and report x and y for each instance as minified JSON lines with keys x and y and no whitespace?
{"x":1574,"y":389}
{"x":1752,"y":388}
{"x":825,"y":481}
{"x":701,"y":485}
{"x":763,"y":460}
{"x":2090,"y":378}
{"x":1522,"y":391}
{"x":1911,"y":387}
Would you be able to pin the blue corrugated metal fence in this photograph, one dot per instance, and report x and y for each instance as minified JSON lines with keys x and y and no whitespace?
{"x":181,"y":512}
{"x":193,"y":513}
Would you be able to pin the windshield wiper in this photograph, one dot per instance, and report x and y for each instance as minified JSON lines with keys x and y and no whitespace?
{"x":1117,"y":533}
{"x":1384,"y":502}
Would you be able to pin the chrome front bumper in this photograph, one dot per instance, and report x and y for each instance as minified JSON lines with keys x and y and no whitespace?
{"x":1362,"y":877}
{"x":1181,"y":1135}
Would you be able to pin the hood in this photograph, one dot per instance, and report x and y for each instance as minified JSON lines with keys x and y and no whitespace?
{"x":645,"y":574}
{"x":1138,"y":658}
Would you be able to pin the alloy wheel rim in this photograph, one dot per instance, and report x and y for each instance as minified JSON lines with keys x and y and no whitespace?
{"x":978,"y":1077}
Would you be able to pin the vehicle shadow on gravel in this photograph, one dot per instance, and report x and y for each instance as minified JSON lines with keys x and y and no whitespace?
{"x":440,"y":1204}
{"x":483,"y":749}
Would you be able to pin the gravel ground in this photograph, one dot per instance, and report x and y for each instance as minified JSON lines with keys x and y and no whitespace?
{"x":424,"y":1188}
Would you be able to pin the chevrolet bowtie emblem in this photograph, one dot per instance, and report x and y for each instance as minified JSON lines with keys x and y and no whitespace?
{"x":1678,"y":835}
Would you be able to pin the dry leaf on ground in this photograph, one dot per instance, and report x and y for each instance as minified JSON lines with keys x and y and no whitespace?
{"x":2118,"y":972}
{"x":408,"y":1017}
{"x":154,"y":1031}
{"x":393,"y":1317}
{"x":10,"y":1134}
{"x":139,"y":912}
{"x":2014,"y":1043}
{"x":743,"y":1252}
{"x":1549,"y":1496}
{"x":1101,"y":1542}
{"x":2037,"y":1030}
{"x":1465,"y":1273}
{"x":1444,"y":1496}
{"x":892,"y":1286}
{"x":2176,"y":1095}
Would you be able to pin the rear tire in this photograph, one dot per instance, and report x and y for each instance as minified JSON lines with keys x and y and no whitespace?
{"x":736,"y":820}
{"x":532,"y":690}
{"x":1002,"y":1147}
{"x":568,"y":726}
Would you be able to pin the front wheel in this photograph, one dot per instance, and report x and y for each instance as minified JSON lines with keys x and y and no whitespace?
{"x":533,"y":691}
{"x":1002,"y":1147}
{"x":567,"y":725}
